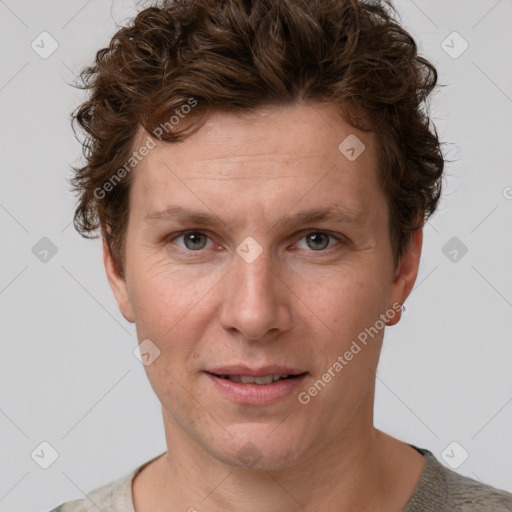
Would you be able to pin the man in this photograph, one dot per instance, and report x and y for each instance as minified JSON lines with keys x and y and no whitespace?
{"x":261,"y":172}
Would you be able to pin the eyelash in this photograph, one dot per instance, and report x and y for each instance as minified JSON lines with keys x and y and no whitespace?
{"x":340,"y":239}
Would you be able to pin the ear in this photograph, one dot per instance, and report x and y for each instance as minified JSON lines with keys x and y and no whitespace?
{"x":406,"y":273}
{"x":117,"y":283}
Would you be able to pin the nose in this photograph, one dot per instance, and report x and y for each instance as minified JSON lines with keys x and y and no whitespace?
{"x":256,"y":299}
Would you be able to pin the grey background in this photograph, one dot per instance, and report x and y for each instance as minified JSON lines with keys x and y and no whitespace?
{"x":68,"y":375}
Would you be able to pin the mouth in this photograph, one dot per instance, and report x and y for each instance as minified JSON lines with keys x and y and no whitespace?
{"x":264,"y":380}
{"x":263,"y":386}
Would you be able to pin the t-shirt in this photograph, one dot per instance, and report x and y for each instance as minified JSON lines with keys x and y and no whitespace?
{"x":439,"y":490}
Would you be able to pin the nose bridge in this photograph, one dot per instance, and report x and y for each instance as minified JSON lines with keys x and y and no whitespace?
{"x":252,"y":303}
{"x":253,"y":266}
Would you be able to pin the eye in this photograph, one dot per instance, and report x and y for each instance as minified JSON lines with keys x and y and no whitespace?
{"x":193,"y":240}
{"x":319,"y":240}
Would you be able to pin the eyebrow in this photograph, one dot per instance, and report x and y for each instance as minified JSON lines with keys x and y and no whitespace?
{"x":332,"y":213}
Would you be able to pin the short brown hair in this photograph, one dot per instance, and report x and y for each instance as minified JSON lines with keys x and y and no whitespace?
{"x":238,"y":55}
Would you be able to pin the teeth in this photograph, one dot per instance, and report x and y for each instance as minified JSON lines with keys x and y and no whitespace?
{"x":248,"y":379}
{"x":264,"y":380}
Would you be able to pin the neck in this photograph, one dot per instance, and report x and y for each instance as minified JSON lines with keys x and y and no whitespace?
{"x":352,"y":472}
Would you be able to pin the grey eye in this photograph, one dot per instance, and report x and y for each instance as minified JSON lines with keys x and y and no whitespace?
{"x":317,"y":241}
{"x":192,"y":240}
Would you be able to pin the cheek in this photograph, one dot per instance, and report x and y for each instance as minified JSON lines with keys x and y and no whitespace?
{"x":346,"y":358}
{"x":345,"y":310}
{"x":159,"y":292}
{"x":351,"y":301}
{"x":169,"y":305}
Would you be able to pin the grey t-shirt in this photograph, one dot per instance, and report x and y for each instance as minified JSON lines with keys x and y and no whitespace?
{"x":439,"y":490}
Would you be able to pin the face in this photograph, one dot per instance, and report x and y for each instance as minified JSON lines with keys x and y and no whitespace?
{"x":257,"y":248}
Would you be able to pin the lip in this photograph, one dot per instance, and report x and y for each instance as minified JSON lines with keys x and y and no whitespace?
{"x":256,"y":394}
{"x":255,"y":372}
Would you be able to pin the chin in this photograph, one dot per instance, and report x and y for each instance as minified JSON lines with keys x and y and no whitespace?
{"x":261,"y":447}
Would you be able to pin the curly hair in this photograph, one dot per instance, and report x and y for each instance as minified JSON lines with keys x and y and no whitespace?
{"x":238,"y":55}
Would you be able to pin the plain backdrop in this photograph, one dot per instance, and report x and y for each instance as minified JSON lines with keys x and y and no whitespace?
{"x":68,"y":375}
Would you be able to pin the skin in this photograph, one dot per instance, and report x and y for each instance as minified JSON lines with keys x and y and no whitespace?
{"x":301,"y":303}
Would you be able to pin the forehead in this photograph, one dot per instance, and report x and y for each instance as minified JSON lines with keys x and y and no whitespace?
{"x":261,"y":157}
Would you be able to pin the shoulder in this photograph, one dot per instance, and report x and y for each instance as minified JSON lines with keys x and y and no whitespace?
{"x":107,"y":498}
{"x":115,"y":496}
{"x":70,"y":506}
{"x":441,"y":489}
{"x":470,"y":495}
